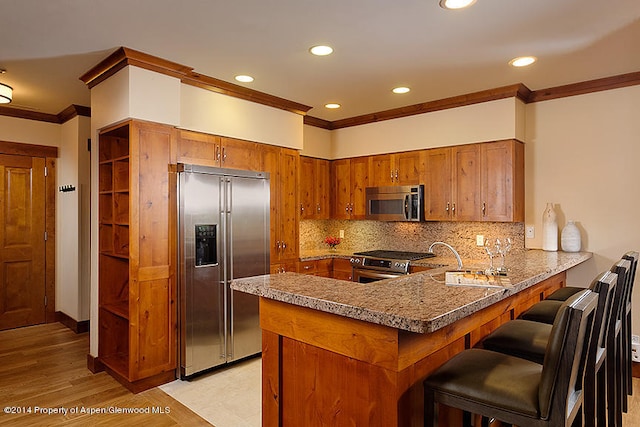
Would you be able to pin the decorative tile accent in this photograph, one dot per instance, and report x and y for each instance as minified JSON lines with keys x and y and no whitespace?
{"x":408,"y":236}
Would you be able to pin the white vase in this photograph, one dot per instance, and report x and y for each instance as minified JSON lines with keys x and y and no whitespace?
{"x":570,"y":237}
{"x":549,"y":229}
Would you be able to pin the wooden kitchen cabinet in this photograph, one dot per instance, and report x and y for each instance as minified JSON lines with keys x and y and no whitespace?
{"x":475,"y":182}
{"x":342,"y":269}
{"x":283,"y":267}
{"x":218,"y":151}
{"x":136,"y":266}
{"x":282,"y":164}
{"x":396,"y":169}
{"x":452,"y":186}
{"x":314,"y":188}
{"x":320,"y":267}
{"x":502,"y":181}
{"x":349,"y":179}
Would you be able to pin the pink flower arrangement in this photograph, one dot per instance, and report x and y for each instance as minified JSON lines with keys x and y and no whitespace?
{"x":332,"y":241}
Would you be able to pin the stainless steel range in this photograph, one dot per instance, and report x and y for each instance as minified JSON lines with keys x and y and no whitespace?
{"x":370,"y":266}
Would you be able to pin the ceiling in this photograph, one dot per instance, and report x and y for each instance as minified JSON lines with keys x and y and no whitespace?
{"x":378,"y":44}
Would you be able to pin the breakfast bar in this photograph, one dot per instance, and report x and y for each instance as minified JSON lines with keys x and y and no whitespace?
{"x":343,"y":353}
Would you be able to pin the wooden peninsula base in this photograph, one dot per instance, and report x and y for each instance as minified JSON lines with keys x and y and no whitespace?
{"x":322,"y":369}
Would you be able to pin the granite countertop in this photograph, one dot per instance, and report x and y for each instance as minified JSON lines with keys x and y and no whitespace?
{"x":418,"y":302}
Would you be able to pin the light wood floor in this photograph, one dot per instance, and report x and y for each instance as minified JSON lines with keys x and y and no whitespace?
{"x":45,"y":366}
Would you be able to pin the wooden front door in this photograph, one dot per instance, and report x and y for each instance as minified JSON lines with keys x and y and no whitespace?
{"x":22,"y":241}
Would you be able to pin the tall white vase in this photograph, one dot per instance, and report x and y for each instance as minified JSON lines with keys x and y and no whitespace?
{"x":549,"y":229}
{"x":570,"y":240}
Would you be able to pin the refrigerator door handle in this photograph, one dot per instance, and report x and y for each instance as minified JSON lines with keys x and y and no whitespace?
{"x":229,"y":260}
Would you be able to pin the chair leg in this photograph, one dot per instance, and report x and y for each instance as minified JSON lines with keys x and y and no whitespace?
{"x":589,"y":400}
{"x":612,"y":387}
{"x":429,"y":408}
{"x":466,"y":419}
{"x":629,"y":352}
{"x":601,"y":398}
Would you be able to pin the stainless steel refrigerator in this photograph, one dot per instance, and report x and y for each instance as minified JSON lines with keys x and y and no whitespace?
{"x":223,"y":233}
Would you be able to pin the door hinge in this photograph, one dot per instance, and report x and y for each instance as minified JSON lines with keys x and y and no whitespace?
{"x":46,"y":236}
{"x":46,"y":171}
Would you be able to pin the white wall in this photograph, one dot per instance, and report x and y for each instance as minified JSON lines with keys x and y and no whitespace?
{"x":29,"y":131}
{"x":72,"y":241}
{"x":317,"y":142}
{"x":72,"y":220}
{"x":215,"y":113}
{"x":583,"y":155}
{"x":489,"y":121}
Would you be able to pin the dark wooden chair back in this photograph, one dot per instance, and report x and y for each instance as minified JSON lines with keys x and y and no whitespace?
{"x":560,"y":391}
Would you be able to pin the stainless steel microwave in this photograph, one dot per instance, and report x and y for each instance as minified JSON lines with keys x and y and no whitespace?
{"x":397,"y":203}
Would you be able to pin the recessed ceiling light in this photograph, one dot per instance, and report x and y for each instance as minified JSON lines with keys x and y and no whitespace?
{"x":332,"y":106}
{"x":401,"y":89}
{"x":321,"y":50}
{"x":522,"y":61}
{"x":456,"y":4}
{"x":244,"y":79}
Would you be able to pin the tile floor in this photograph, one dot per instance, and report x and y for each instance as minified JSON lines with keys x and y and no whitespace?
{"x":227,"y":397}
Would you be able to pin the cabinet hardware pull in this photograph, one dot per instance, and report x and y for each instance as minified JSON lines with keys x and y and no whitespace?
{"x":301,"y":208}
{"x":224,"y":154}
{"x":278,"y":244}
{"x":396,"y":175}
{"x":217,"y":152}
{"x":484,"y":208}
{"x":351,"y":208}
{"x":453,"y":208}
{"x":346,"y":209}
{"x":318,"y":207}
{"x":284,"y":246}
{"x":447,"y":209}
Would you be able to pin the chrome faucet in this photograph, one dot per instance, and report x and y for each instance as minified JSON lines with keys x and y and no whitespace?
{"x":457,"y":255}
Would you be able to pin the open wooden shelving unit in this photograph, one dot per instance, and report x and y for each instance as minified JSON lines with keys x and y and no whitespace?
{"x":136,"y":277}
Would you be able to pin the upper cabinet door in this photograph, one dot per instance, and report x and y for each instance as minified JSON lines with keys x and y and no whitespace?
{"x":198,"y":148}
{"x":409,"y":167}
{"x":381,"y":170}
{"x":314,"y":188}
{"x":359,"y":182}
{"x":437,"y":189}
{"x":502,"y":189}
{"x":466,"y":183}
{"x":341,"y":188}
{"x":239,"y":154}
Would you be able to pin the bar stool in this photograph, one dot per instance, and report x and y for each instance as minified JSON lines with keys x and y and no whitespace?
{"x":509,"y":340}
{"x":516,"y":390}
{"x":529,"y":339}
{"x":632,"y":256}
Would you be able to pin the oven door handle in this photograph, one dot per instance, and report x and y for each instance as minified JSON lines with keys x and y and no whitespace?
{"x":357,"y":273}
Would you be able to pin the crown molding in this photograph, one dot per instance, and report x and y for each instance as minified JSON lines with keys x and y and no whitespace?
{"x":516,"y":90}
{"x":62,"y":117}
{"x":519,"y":91}
{"x":597,"y":85}
{"x":124,"y":56}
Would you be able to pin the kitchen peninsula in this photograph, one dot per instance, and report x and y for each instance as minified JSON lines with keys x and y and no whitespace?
{"x":345,"y":353}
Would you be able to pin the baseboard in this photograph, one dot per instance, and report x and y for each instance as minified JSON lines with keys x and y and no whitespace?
{"x":635,"y":369}
{"x":77,"y":327}
{"x":94,"y":364}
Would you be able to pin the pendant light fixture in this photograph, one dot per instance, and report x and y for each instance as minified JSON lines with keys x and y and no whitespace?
{"x":6,"y":93}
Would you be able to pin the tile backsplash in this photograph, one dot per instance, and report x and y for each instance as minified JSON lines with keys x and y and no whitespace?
{"x":408,"y":236}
